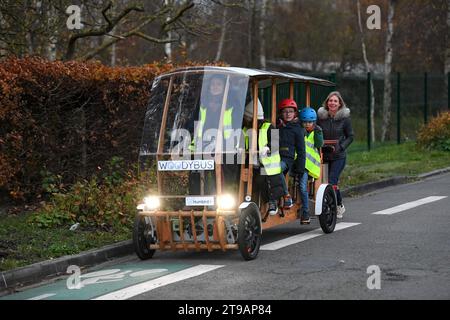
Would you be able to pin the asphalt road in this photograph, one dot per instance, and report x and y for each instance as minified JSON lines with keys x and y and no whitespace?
{"x":411,"y":248}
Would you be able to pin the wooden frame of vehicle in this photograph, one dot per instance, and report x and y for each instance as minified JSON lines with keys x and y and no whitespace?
{"x":239,"y":227}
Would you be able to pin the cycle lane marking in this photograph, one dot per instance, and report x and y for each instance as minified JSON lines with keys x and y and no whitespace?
{"x":143,"y":287}
{"x":97,"y":283}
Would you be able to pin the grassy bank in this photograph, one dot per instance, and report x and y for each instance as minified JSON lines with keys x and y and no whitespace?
{"x":22,"y":243}
{"x":389,"y":160}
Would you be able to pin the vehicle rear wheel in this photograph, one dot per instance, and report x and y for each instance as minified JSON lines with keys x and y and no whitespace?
{"x":329,"y":210}
{"x":249,"y":233}
{"x":143,"y":237}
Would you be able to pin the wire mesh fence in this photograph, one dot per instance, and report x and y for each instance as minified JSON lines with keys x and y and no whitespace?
{"x":415,"y":99}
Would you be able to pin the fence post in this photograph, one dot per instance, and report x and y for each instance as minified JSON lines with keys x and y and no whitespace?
{"x":398,"y":108}
{"x":369,"y":98}
{"x":425,"y":106}
{"x":333,"y":77}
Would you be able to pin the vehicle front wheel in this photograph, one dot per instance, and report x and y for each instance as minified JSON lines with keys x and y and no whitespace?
{"x":143,"y":237}
{"x":249,"y":233}
{"x":329,"y":210}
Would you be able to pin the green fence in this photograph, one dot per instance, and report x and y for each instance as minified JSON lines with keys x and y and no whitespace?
{"x":415,"y":99}
{"x":318,"y":94}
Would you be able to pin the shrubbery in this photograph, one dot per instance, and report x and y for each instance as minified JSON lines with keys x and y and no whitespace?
{"x":436,"y":134}
{"x":62,"y":121}
{"x":106,"y":202}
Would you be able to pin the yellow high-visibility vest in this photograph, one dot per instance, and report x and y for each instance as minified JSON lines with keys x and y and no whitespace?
{"x":227,"y":125}
{"x":312,"y":163}
{"x":227,"y":122}
{"x":271,"y":163}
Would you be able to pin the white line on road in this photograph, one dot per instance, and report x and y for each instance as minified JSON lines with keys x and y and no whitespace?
{"x":140,"y":288}
{"x":410,"y":205}
{"x":43,"y":296}
{"x":304,"y":236}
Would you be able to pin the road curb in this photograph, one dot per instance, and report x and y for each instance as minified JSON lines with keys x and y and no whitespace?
{"x":372,"y":186}
{"x":41,"y":271}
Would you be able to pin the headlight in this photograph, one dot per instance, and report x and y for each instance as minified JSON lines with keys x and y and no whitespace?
{"x":226,"y":202}
{"x":150,"y":203}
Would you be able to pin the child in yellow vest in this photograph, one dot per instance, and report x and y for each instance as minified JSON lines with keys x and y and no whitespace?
{"x":313,"y":141}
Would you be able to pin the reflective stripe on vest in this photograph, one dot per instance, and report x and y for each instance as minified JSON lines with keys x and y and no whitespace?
{"x":312,"y":163}
{"x":244,"y":131}
{"x":271,"y":163}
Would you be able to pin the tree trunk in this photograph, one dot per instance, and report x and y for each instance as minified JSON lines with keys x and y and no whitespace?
{"x":447,"y":53}
{"x":251,"y":20}
{"x":366,"y":61}
{"x":447,"y":58}
{"x":51,"y":22}
{"x":387,"y":97}
{"x":262,"y":38}
{"x":223,"y":30}
{"x":3,"y":45}
{"x":168,"y":46}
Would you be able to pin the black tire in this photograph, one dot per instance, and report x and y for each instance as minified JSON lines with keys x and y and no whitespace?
{"x":249,"y":233}
{"x":142,"y":238}
{"x":329,"y":210}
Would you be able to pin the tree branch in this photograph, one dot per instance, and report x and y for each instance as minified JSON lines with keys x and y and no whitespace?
{"x":130,"y":33}
{"x":177,"y":15}
{"x":100,"y":32}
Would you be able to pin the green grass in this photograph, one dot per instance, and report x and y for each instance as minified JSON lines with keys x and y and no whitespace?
{"x":22,"y":243}
{"x":389,"y":160}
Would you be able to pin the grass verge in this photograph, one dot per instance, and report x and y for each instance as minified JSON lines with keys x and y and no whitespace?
{"x":389,"y":160}
{"x":22,"y":243}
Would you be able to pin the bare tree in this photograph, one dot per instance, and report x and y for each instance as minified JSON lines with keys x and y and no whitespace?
{"x":447,"y":54}
{"x":168,"y":45}
{"x":367,"y":64}
{"x":251,"y":7}
{"x":262,"y":35}
{"x":174,"y":13}
{"x":447,"y":35}
{"x":223,"y":31}
{"x":387,"y":96}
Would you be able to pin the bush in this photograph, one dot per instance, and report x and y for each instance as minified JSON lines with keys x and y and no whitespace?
{"x":69,"y":118}
{"x":105,"y":202}
{"x":436,"y":134}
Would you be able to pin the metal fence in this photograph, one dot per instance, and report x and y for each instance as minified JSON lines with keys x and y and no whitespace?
{"x":415,"y":99}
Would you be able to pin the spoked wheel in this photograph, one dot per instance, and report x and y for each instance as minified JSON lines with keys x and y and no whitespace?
{"x":142,"y":237}
{"x":249,"y":233}
{"x":329,"y":210}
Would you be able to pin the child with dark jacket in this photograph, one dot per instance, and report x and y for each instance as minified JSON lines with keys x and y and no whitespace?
{"x":292,"y":144}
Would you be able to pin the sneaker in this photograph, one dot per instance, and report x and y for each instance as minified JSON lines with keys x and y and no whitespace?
{"x":305,"y":220}
{"x":288,"y":203}
{"x":340,"y":211}
{"x":273,"y":208}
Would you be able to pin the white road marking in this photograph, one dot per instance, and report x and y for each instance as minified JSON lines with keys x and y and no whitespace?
{"x":410,"y":205}
{"x":304,"y":236}
{"x":140,"y":288}
{"x":43,"y":296}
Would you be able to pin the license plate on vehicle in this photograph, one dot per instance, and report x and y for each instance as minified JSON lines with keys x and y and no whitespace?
{"x":199,"y":201}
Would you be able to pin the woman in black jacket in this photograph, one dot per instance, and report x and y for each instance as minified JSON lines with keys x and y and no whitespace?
{"x":334,"y":119}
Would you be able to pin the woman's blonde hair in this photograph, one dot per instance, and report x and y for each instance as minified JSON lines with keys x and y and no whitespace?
{"x":338,"y":95}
